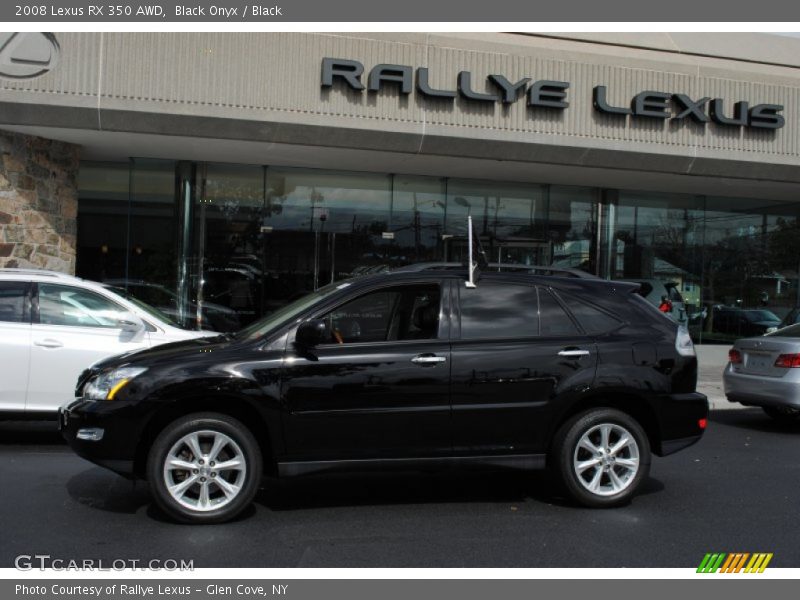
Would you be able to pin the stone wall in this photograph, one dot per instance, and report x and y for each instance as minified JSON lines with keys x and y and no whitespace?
{"x":38,"y":202}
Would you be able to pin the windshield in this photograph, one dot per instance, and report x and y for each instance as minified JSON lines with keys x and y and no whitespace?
{"x":288,"y":312}
{"x":761,"y":315}
{"x":150,"y":310}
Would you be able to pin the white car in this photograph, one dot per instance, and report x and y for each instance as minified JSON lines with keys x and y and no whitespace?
{"x":53,"y":326}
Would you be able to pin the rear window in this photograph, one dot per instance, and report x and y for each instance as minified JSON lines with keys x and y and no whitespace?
{"x":650,"y":308}
{"x":495,"y":310}
{"x":553,"y":318}
{"x":593,"y":320}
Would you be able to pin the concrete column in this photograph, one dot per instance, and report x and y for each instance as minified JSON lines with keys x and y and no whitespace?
{"x":38,"y":202}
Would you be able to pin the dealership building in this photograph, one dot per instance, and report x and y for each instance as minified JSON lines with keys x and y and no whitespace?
{"x":235,"y":171}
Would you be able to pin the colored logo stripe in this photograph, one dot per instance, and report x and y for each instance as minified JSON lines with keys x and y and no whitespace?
{"x":734,"y":562}
{"x":710,"y":563}
{"x":758,"y":563}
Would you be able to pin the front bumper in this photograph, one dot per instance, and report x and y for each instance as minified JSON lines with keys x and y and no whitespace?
{"x":119,"y":425}
{"x":759,"y":390}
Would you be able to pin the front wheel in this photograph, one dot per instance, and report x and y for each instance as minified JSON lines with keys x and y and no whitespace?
{"x":204,"y":468}
{"x":783,"y":414}
{"x":601,"y":457}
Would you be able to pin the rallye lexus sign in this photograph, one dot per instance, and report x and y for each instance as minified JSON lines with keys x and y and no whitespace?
{"x":547,"y":94}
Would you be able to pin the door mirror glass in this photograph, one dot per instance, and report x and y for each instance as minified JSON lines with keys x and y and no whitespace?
{"x":311,"y":333}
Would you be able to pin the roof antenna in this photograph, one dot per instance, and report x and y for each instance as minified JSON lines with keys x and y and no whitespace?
{"x":481,"y":255}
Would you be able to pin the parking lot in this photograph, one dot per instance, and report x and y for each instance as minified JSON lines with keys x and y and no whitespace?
{"x":734,"y":491}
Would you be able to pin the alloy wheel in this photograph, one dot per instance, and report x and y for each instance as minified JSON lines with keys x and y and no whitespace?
{"x":606,"y":459}
{"x":204,"y":470}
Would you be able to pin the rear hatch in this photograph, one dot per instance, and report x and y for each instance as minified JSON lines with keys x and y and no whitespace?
{"x":760,"y":353}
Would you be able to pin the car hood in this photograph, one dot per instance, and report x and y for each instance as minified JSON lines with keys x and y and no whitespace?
{"x":174,"y":334}
{"x":184,"y":349}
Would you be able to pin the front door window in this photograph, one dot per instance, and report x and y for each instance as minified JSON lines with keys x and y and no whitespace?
{"x":71,"y":306}
{"x":400,"y":313}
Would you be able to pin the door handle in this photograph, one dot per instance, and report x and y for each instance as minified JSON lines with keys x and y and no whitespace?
{"x":49,"y":343}
{"x":428,"y":359}
{"x":573,"y":352}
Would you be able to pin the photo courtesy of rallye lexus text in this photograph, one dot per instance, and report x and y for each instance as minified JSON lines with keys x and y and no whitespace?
{"x":414,"y":368}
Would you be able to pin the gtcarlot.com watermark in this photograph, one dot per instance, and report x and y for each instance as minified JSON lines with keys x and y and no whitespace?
{"x":43,"y":562}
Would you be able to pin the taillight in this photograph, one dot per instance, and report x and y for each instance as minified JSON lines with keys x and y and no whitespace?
{"x":788,"y":361}
{"x":735,"y":356}
{"x":702,"y":423}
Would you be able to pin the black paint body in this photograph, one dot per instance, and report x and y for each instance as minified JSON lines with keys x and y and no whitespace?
{"x":495,"y":401}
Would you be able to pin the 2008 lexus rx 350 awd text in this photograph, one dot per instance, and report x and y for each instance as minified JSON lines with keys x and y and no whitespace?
{"x":401,"y":370}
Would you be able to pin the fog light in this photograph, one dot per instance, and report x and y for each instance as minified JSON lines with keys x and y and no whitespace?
{"x":91,"y":434}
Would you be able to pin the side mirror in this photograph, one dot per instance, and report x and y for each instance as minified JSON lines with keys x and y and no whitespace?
{"x":310,"y":333}
{"x":130,"y":323}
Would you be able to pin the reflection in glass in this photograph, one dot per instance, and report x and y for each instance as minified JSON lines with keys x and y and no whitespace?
{"x":418,"y":211}
{"x":397,"y":313}
{"x":325,"y":226}
{"x":102,"y":245}
{"x":229,"y":277}
{"x":498,"y":311}
{"x":554,"y":321}
{"x":572,"y":227}
{"x":508,"y":218}
{"x":126,"y":229}
{"x":658,"y":243}
{"x":231,"y":243}
{"x":751,"y":263}
{"x":152,"y":248}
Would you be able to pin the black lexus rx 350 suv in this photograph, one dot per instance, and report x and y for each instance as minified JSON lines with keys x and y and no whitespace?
{"x":402,"y":370}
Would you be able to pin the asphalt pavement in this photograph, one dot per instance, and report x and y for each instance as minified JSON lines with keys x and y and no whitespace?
{"x":735,"y":491}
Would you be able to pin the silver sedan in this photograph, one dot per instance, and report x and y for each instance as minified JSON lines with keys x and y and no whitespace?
{"x":765,"y":371}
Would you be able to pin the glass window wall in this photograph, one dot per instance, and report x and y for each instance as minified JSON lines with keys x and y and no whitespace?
{"x":219,"y":245}
{"x":508,"y":218}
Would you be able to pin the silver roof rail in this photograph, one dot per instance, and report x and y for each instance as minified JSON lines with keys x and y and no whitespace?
{"x":37,"y":273}
{"x":533,"y":269}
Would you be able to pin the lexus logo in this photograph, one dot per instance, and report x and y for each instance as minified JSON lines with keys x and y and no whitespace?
{"x":27,"y":55}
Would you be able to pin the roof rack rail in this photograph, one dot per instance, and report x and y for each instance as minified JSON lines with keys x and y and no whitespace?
{"x":539,"y":270}
{"x":37,"y":272}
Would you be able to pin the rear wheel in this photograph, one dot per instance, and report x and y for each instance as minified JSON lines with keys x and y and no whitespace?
{"x":601,"y":457}
{"x":204,"y":468}
{"x":783,"y":414}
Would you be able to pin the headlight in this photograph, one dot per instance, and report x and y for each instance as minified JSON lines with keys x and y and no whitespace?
{"x":106,"y":385}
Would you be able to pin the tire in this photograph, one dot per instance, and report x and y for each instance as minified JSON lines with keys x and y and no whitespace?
{"x":783,"y":414}
{"x":225,"y":476}
{"x":608,"y":482}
